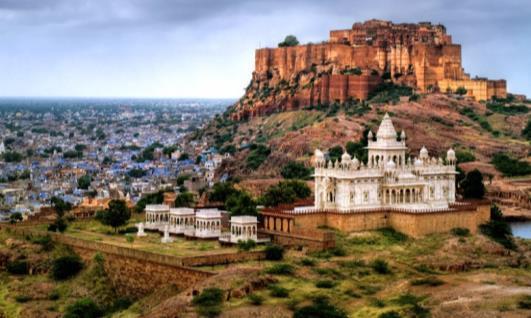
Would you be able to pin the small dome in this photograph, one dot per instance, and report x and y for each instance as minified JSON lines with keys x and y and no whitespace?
{"x":390,"y":164}
{"x":450,"y":155}
{"x":370,"y":135}
{"x":345,"y":157}
{"x":355,"y":162}
{"x":418,"y":162}
{"x":403,"y":135}
{"x":424,"y":153}
{"x":318,"y":154}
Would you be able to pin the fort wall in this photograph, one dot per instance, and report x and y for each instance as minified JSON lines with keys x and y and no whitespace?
{"x":421,"y":56}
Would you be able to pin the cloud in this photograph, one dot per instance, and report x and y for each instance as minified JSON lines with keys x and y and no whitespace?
{"x":206,"y":47}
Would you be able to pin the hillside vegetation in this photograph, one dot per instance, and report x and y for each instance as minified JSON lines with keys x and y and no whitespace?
{"x":477,"y":131}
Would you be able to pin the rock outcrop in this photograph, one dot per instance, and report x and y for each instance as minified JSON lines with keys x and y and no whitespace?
{"x":353,"y":62}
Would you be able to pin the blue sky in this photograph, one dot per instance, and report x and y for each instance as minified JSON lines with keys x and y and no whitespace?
{"x":205,"y":48}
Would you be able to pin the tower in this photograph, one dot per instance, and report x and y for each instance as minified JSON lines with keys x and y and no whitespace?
{"x":387,"y":147}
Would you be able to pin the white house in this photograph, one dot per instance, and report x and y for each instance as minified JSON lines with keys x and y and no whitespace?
{"x":180,"y":219}
{"x":243,"y":228}
{"x":208,"y":223}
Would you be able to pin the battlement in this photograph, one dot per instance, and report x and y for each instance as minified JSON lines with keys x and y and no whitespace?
{"x":354,"y":62}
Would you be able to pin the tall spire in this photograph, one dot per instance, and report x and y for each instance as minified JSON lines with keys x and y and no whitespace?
{"x":386,"y":131}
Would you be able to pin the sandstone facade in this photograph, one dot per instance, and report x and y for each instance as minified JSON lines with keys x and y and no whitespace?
{"x":353,"y":62}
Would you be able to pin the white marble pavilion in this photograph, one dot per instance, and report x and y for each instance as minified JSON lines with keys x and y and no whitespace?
{"x":389,"y":179}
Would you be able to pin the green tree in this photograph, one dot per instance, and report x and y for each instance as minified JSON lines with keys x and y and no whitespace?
{"x":461,"y":91}
{"x":80,"y":147}
{"x":84,"y":182}
{"x":296,"y":170}
{"x":289,"y":40}
{"x":184,"y":156}
{"x":335,"y":153}
{"x":60,"y":206}
{"x":472,"y":185}
{"x":116,"y":215}
{"x":198,"y":160}
{"x":241,"y":203}
{"x":83,"y":308}
{"x":185,"y":199}
{"x":12,"y":156}
{"x":150,"y":198}
{"x":221,"y":191}
{"x":285,"y":192}
{"x":15,"y":217}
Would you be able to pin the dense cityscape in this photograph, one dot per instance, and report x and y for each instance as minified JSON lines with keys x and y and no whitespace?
{"x":79,"y":149}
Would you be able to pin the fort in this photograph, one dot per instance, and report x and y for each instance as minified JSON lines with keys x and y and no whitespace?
{"x":353,"y":62}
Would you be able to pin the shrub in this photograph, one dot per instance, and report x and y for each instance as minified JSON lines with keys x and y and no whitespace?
{"x":325,"y":284}
{"x":278,"y":292}
{"x":525,"y":302}
{"x":459,"y":231}
{"x":255,"y":299}
{"x":83,"y":308}
{"x":380,"y":266}
{"x":509,"y":166}
{"x":389,"y":314}
{"x":393,"y":236}
{"x":499,"y":231}
{"x":54,"y":295}
{"x":246,"y":245}
{"x":18,"y":267}
{"x":307,"y":262}
{"x":257,"y":156}
{"x":22,"y":298}
{"x":464,"y":156}
{"x":58,"y":226}
{"x":274,"y":252}
{"x":209,"y":302}
{"x":66,"y":266}
{"x":128,"y":230}
{"x":45,"y":241}
{"x":389,"y":92}
{"x":428,"y":281}
{"x":281,"y":269}
{"x":321,"y":308}
{"x":526,"y":132}
{"x":461,"y":91}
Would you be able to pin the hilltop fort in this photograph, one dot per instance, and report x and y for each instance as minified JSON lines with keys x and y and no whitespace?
{"x":355,"y":62}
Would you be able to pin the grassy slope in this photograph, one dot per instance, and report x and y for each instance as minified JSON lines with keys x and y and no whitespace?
{"x":493,"y":289}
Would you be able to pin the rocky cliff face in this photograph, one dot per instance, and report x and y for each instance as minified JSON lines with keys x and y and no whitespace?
{"x":351,"y":65}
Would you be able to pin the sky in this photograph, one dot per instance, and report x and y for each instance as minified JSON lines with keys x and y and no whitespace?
{"x":205,"y":48}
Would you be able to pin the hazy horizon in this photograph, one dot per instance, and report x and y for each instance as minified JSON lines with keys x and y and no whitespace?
{"x":205,"y":48}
